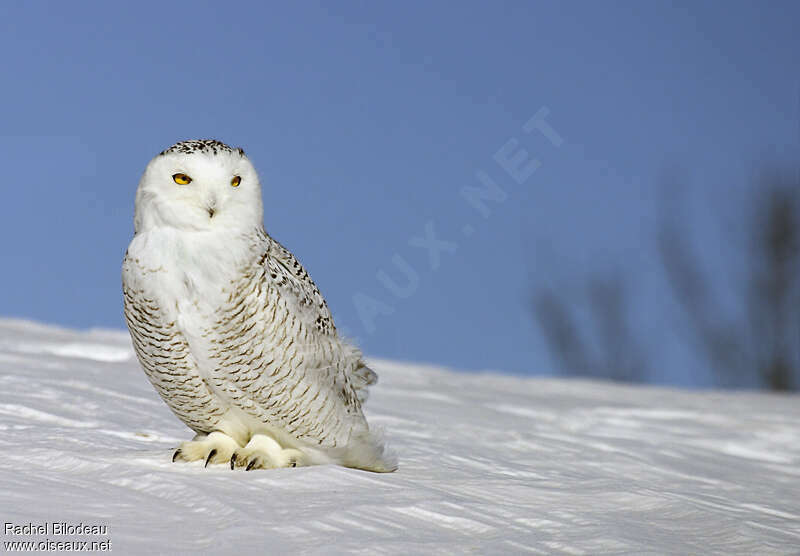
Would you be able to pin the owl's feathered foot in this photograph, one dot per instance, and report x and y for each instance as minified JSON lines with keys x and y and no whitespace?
{"x":217,"y":447}
{"x":263,"y":452}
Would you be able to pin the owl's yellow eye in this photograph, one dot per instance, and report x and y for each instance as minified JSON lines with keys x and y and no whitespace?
{"x":236,"y":181}
{"x":181,"y":179}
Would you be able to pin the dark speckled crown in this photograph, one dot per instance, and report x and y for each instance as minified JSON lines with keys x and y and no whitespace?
{"x":207,"y":146}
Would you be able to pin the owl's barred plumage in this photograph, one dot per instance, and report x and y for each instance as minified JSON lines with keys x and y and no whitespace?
{"x":230,"y":328}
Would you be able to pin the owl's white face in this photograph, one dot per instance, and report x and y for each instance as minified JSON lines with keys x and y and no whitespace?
{"x":199,"y":186}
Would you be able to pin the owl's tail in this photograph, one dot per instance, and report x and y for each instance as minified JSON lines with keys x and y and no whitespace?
{"x":361,"y":379}
{"x":369,"y":452}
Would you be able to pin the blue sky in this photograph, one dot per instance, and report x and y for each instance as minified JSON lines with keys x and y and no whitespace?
{"x":366,"y":120}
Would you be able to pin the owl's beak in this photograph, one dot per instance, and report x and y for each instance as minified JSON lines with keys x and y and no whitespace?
{"x":211,"y":207}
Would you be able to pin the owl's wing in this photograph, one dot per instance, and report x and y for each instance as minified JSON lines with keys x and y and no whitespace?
{"x":294,"y":282}
{"x":277,"y":355}
{"x":296,"y":285}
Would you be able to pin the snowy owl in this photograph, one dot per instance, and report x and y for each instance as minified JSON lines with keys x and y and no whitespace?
{"x":231,"y":330}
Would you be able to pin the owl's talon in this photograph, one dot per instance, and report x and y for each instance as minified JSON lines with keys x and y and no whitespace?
{"x":217,"y":447}
{"x":263,"y":452}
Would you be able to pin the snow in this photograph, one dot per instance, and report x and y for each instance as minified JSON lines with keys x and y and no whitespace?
{"x":489,"y":464}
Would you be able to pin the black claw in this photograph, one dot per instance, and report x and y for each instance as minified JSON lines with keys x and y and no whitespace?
{"x":251,"y":465}
{"x":176,"y":454}
{"x":233,"y":460}
{"x":211,"y":454}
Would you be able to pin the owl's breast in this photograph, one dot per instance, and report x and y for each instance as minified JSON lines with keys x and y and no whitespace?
{"x":189,"y":273}
{"x":188,"y":279}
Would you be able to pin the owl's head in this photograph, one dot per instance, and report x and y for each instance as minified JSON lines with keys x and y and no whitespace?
{"x":199,"y":185}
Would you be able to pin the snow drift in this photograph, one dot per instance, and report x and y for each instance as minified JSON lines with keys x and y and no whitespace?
{"x":488,"y":464}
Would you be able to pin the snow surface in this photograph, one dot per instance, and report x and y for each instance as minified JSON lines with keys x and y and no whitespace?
{"x":489,"y":464}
